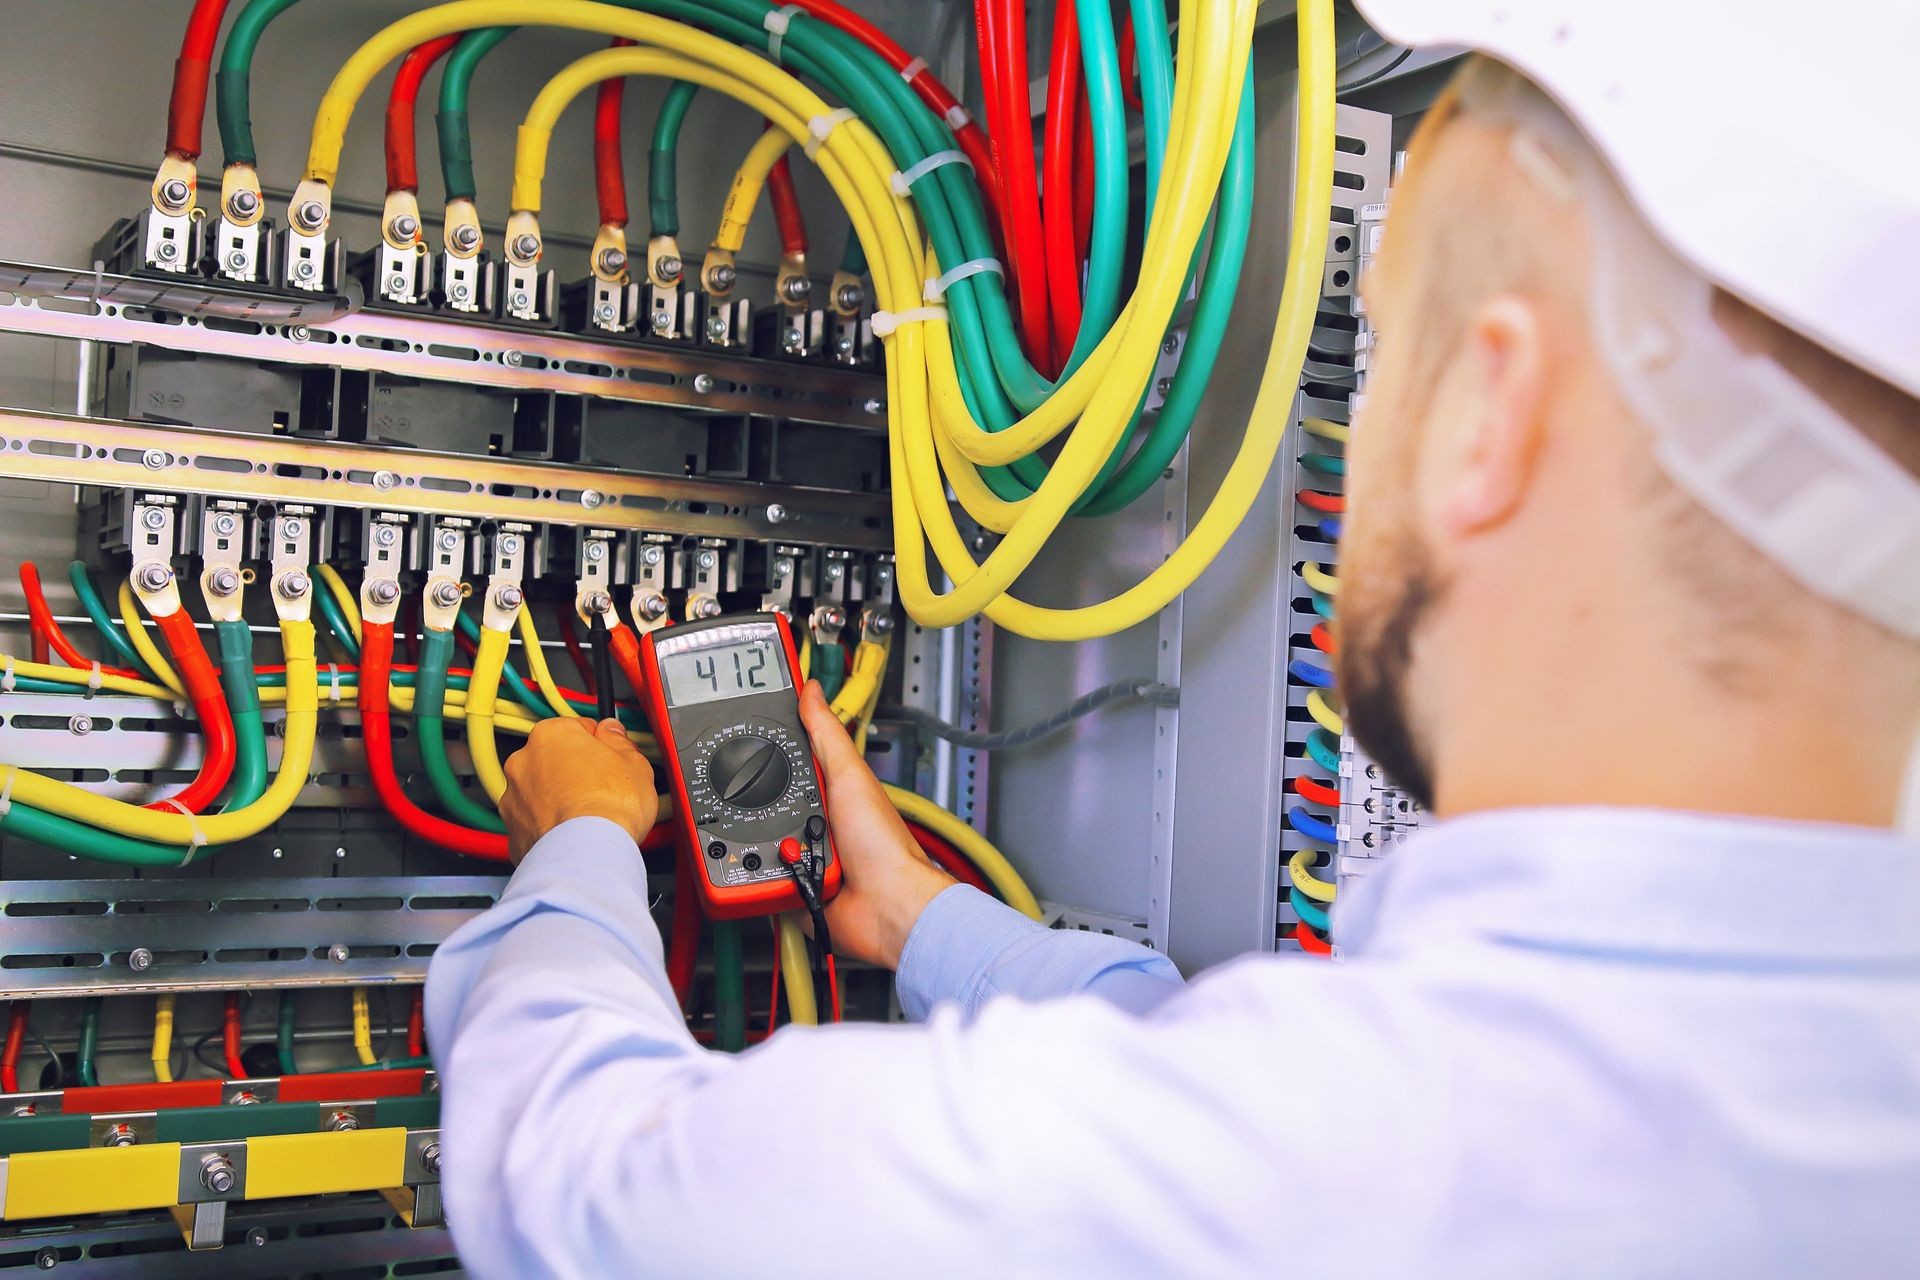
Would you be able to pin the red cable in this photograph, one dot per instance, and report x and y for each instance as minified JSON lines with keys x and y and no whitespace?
{"x":41,"y":619}
{"x":1002,"y":26}
{"x":188,"y":105}
{"x":461,"y":638}
{"x":230,"y":1037}
{"x":1082,"y":163}
{"x":1057,"y":184}
{"x":773,"y":1000}
{"x":563,"y":611}
{"x":1314,"y":791}
{"x":16,"y":1038}
{"x":209,"y":699}
{"x":683,"y":947}
{"x":1322,"y":637}
{"x":1310,"y":942}
{"x":376,"y":657}
{"x":1332,"y":504}
{"x":403,"y":170}
{"x":972,"y":140}
{"x":1129,"y":58}
{"x":948,"y":858}
{"x":786,"y":206}
{"x":609,"y":166}
{"x":417,"y":1024}
{"x":833,"y":989}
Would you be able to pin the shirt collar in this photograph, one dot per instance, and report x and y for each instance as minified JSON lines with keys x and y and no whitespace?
{"x":1681,"y":885}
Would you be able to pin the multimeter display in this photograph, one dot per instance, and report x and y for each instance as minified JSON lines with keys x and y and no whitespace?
{"x":729,"y":671}
{"x":723,"y":701}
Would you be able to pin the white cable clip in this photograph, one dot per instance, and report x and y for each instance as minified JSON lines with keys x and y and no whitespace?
{"x":912,"y":70}
{"x":776,"y":22}
{"x":885,"y":322}
{"x":333,"y":694}
{"x":93,"y":680}
{"x":957,"y":117}
{"x":937,"y":288}
{"x":196,"y":841}
{"x":6,"y":677}
{"x":6,"y":793}
{"x":903,"y":179}
{"x":823,"y":124}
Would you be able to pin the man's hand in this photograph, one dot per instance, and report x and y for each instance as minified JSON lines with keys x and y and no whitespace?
{"x":886,"y":880}
{"x":576,"y":769}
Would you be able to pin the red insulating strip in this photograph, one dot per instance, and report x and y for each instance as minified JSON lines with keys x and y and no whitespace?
{"x":1002,"y":31}
{"x":1322,"y":637}
{"x":403,"y":169}
{"x":948,"y":858}
{"x":376,"y":660}
{"x":191,"y":70}
{"x":786,"y":207}
{"x":16,"y":1040}
{"x":41,"y":619}
{"x":1310,"y":942}
{"x":1313,"y":791}
{"x":230,"y":1037}
{"x":93,"y":1099}
{"x":339,"y":1086}
{"x":1331,"y":504}
{"x":417,"y":1024}
{"x":609,"y":166}
{"x":1057,"y":178}
{"x":202,"y":681}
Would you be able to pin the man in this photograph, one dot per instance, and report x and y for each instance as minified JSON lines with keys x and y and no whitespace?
{"x":1646,"y":1002}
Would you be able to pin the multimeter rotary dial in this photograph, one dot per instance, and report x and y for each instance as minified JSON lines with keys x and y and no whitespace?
{"x":747,"y":774}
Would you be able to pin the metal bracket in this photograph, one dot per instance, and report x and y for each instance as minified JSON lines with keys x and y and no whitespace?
{"x":705,"y":573}
{"x":446,"y":564}
{"x":504,"y":595}
{"x":152,"y":538}
{"x":593,"y":591}
{"x":123,"y":1129}
{"x":784,"y":562}
{"x":223,"y":536}
{"x":650,"y":581}
{"x":288,"y":562}
{"x":380,"y":584}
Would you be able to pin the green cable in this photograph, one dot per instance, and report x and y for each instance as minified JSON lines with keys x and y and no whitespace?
{"x":729,"y":988}
{"x":853,"y":257}
{"x":1322,"y":605}
{"x":390,"y":1064}
{"x":663,"y":177}
{"x":289,"y":1011}
{"x":233,"y":93}
{"x":430,"y":735}
{"x":1309,"y":911}
{"x":1325,"y":755}
{"x":523,"y":692}
{"x":830,"y":667}
{"x":451,"y":121}
{"x":1324,"y":464}
{"x":336,"y":620}
{"x":89,"y":1040}
{"x":111,"y":629}
{"x":249,"y":778}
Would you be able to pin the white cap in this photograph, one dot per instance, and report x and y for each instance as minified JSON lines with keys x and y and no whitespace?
{"x":1760,"y":148}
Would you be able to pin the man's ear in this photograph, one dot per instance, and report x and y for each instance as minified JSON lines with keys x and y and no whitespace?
{"x":1477,"y":473}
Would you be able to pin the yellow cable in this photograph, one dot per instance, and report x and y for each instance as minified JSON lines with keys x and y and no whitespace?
{"x":362,"y":1028}
{"x":537,"y":665}
{"x":992,"y":863}
{"x":337,"y":588}
{"x":863,"y":720}
{"x":144,"y":646}
{"x":1323,"y":713}
{"x":1334,"y":431}
{"x":806,"y":654}
{"x":82,"y":679}
{"x":1301,"y":868}
{"x":171,"y":827}
{"x":795,"y":973}
{"x":1319,"y":579}
{"x":483,"y":687}
{"x":744,"y":194}
{"x":163,"y":1038}
{"x":863,"y":682}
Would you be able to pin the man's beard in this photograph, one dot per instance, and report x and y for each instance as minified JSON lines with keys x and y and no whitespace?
{"x":1375,"y":655}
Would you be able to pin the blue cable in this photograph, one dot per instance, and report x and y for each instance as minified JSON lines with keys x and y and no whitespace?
{"x":1307,"y":673}
{"x":1311,"y":827}
{"x":1309,"y":911}
{"x":1330,"y":529}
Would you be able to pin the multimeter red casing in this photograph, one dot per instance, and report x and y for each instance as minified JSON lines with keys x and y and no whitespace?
{"x":731,"y":850}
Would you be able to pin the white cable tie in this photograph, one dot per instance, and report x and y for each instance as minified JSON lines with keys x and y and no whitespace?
{"x":197,"y":840}
{"x":776,"y":22}
{"x":6,"y":793}
{"x":885,"y":322}
{"x":333,"y":695}
{"x":912,"y":70}
{"x":823,"y":124}
{"x":903,"y":179}
{"x":957,"y":117}
{"x":6,"y":677}
{"x":938,"y":288}
{"x":93,"y":680}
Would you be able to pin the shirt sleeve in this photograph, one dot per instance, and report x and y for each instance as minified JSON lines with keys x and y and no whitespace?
{"x":966,"y":948}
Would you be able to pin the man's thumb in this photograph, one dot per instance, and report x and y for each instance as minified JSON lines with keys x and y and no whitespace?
{"x":830,"y":741}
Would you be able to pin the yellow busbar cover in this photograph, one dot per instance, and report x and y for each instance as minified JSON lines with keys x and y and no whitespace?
{"x":47,"y":1184}
{"x":311,"y":1164}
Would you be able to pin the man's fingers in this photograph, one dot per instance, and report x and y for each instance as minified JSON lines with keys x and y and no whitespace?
{"x":614,"y":734}
{"x":830,"y":741}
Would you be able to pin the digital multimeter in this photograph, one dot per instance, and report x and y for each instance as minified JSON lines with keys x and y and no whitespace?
{"x":724,"y":699}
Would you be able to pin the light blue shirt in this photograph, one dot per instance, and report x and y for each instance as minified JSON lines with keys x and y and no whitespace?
{"x":1563,"y":1043}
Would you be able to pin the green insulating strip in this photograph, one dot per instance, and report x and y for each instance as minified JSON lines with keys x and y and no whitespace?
{"x":830,"y":667}
{"x":234,"y":1124}
{"x":1308,"y":910}
{"x":525,"y":694}
{"x":22,"y":1134}
{"x":1324,"y":464}
{"x":853,"y":258}
{"x":110,"y":628}
{"x":1323,"y":606}
{"x":1324,"y":750}
{"x":422,"y":1112}
{"x":430,"y":736}
{"x":663,"y":179}
{"x":729,"y":988}
{"x":89,"y":1040}
{"x":451,"y":122}
{"x":391,"y":1064}
{"x":336,"y":620}
{"x":283,"y":1041}
{"x":233,"y":105}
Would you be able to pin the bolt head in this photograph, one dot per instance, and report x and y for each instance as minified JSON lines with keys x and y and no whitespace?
{"x":405,"y":227}
{"x":223,"y":581}
{"x":294,"y":527}
{"x":653,"y":605}
{"x":850,"y":297}
{"x":399,"y":285}
{"x":669,"y":267}
{"x":599,"y":602}
{"x":466,"y":237}
{"x":662,"y":321}
{"x":509,"y":597}
{"x":217,"y":1174}
{"x":459,"y":292}
{"x":343,"y":1122}
{"x":258,"y":1237}
{"x":80,"y":726}
{"x":776,"y":513}
{"x":47,"y":1259}
{"x":298,"y":333}
{"x":703,"y":382}
{"x":596,"y":552}
{"x":243,"y":203}
{"x":591,"y":498}
{"x":796,"y":289}
{"x":237,"y":262}
{"x":604,"y":313}
{"x":226,"y":524}
{"x":383,"y":591}
{"x":791,"y":340}
{"x":873,"y":406}
{"x":310,"y":215}
{"x":430,"y":1157}
{"x":166,"y":250}
{"x":153,"y":517}
{"x":706,"y":560}
{"x":449,"y":540}
{"x":122,"y":1135}
{"x":843,"y":345}
{"x":519,"y":300}
{"x":383,"y":481}
{"x":708,"y":608}
{"x":446,"y":594}
{"x":385,"y":535}
{"x":613,"y":261}
{"x":651,"y":555}
{"x":724,"y":276}
{"x":155,"y":577}
{"x":716,"y":327}
{"x":526,"y":245}
{"x":303,"y":270}
{"x":140,"y":960}
{"x":1163,"y":386}
{"x":338,"y":953}
{"x":509,"y":544}
{"x":834,"y":570}
{"x":514,"y":359}
{"x":1171,"y":345}
{"x":153,"y":459}
{"x":174,"y":193}
{"x":293,"y":585}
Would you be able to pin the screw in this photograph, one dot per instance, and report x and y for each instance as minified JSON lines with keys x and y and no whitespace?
{"x":223,"y":581}
{"x":226,"y":524}
{"x":258,"y":1237}
{"x":604,"y":313}
{"x":459,"y":292}
{"x":881,"y":573}
{"x":662,"y":321}
{"x":717,"y":328}
{"x":519,"y":300}
{"x":405,"y":227}
{"x":293,"y":585}
{"x":310,"y":215}
{"x":509,"y":597}
{"x":120,"y":1135}
{"x":244,"y":203}
{"x":217,"y":1174}
{"x":796,"y":288}
{"x":703,"y":382}
{"x":776,"y":513}
{"x":340,"y":852}
{"x":873,"y":406}
{"x":669,"y":267}
{"x":1163,"y":386}
{"x":466,"y":237}
{"x":446,"y":593}
{"x":383,"y":591}
{"x":513,"y":359}
{"x":509,"y":544}
{"x":80,"y":726}
{"x":430,"y":1157}
{"x":398,"y":285}
{"x":299,"y":333}
{"x":343,"y":1122}
{"x":722,"y":277}
{"x":139,"y":959}
{"x":599,"y":602}
{"x":1170,"y":345}
{"x":834,"y":570}
{"x":303,"y":270}
{"x":449,"y":540}
{"x":237,"y":261}
{"x":153,"y":459}
{"x":843,"y":345}
{"x":526,"y":245}
{"x":880,"y":624}
{"x":294,"y":527}
{"x":651,"y":555}
{"x":166,"y":250}
{"x":47,"y":1259}
{"x":707,"y":607}
{"x":153,"y":517}
{"x":596,"y":551}
{"x":383,"y":481}
{"x":338,"y":953}
{"x":24,"y":1110}
{"x":833,"y":617}
{"x":790,"y":341}
{"x":782,"y":567}
{"x":653,"y":605}
{"x":612,"y":261}
{"x":706,"y":560}
{"x":174,"y":193}
{"x":591,"y":498}
{"x":154,"y":577}
{"x":385,"y":535}
{"x":850,"y":297}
